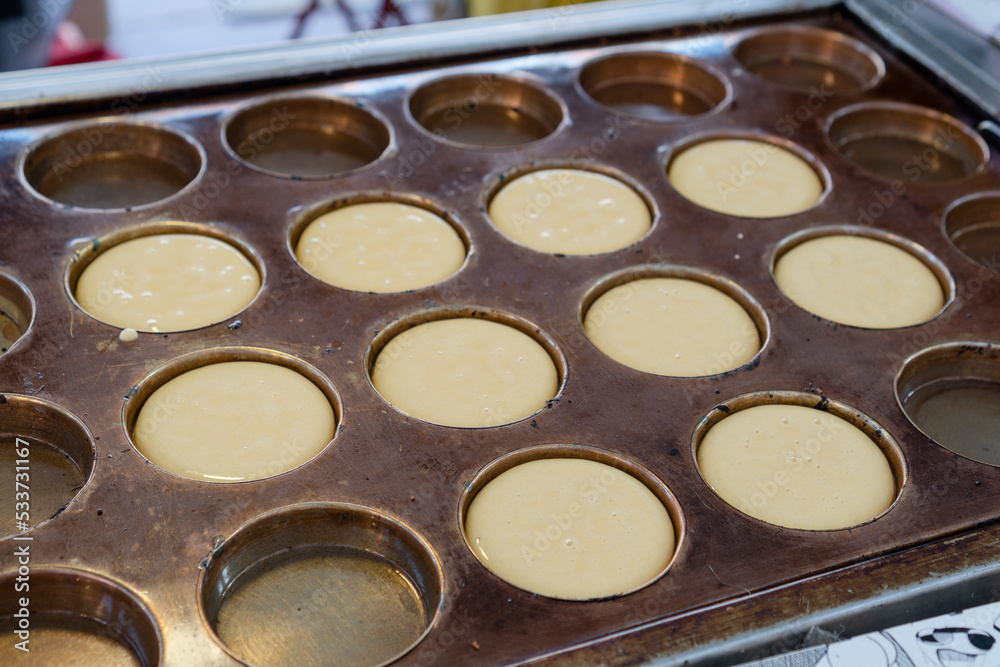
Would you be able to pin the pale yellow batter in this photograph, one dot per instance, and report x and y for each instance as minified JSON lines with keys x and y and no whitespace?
{"x":571,"y":529}
{"x":672,"y":326}
{"x":859,"y":281}
{"x":380,"y":247}
{"x":752,"y":179}
{"x":167,"y":282}
{"x":570,"y":212}
{"x":796,"y":467}
{"x":465,"y":372}
{"x":234,"y":421}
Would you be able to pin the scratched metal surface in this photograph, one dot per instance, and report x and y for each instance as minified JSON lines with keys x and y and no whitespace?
{"x":148,"y":531}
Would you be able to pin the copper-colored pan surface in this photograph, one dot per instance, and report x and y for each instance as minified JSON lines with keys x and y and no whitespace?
{"x":155,"y":539}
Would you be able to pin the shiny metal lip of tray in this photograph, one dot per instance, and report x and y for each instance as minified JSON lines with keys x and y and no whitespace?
{"x":143,"y":566}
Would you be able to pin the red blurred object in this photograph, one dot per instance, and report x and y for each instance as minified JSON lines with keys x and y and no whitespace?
{"x":70,"y":47}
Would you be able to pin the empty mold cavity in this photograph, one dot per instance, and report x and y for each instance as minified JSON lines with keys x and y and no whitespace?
{"x":905,"y":142}
{"x":164,"y":277}
{"x":797,"y":460}
{"x":674,"y":321}
{"x":655,"y":85}
{"x":78,"y":618}
{"x":465,"y":367}
{"x":48,"y":446}
{"x":571,"y":522}
{"x":306,"y":137}
{"x":232,"y":414}
{"x":951,"y":393}
{"x":486,"y":111}
{"x":972,"y":224}
{"x":112,"y":164}
{"x":339,"y":583}
{"x":862,"y":277}
{"x":810,"y":60}
{"x":17,"y":311}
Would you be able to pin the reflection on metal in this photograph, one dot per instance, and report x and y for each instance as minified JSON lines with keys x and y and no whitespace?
{"x":391,"y":46}
{"x":962,"y":60}
{"x":737,"y":590}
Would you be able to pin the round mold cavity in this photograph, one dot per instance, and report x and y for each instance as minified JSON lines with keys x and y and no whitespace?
{"x":311,"y":213}
{"x":655,"y":85}
{"x":17,"y":312}
{"x":288,"y":452}
{"x":76,"y":618}
{"x":84,"y":257}
{"x":399,"y":327}
{"x":784,"y":475}
{"x":570,"y":451}
{"x":306,"y":137}
{"x":972,"y":224}
{"x":559,"y":184}
{"x":112,"y":164}
{"x":932,"y":263}
{"x":48,"y":448}
{"x":341,"y":583}
{"x":906,"y":142}
{"x":951,"y":393}
{"x":810,"y":60}
{"x":486,"y":111}
{"x":724,"y":360}
{"x":728,"y":178}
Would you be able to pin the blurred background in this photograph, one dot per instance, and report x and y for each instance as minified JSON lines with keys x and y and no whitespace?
{"x":37,"y":33}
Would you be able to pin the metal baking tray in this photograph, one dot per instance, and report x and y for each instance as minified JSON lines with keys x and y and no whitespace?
{"x":141,"y":556}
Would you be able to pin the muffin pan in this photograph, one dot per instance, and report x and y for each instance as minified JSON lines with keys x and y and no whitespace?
{"x":351,"y":586}
{"x":808,"y":59}
{"x":309,"y":137}
{"x":904,"y":141}
{"x":187,"y":560}
{"x":79,"y":615}
{"x":485,"y":110}
{"x":656,"y":85}
{"x":110,"y":164}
